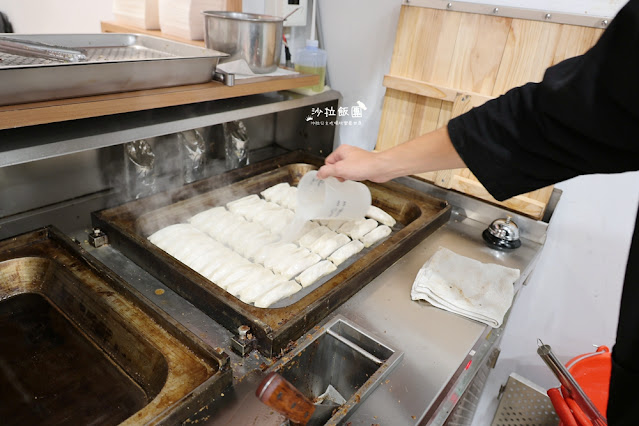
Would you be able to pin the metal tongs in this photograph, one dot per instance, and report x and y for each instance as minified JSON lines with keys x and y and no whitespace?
{"x":41,"y":50}
{"x":575,"y":392}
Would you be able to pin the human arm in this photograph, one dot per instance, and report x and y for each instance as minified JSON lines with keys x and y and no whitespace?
{"x":428,"y":152}
{"x":582,"y":118}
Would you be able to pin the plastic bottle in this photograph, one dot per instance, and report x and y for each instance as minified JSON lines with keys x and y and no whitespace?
{"x":312,"y":60}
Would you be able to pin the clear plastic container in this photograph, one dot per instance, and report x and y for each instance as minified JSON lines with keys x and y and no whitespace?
{"x":327,"y":199}
{"x":312,"y":60}
{"x":331,"y":199}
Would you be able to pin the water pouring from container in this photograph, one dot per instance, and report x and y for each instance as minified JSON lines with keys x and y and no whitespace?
{"x":327,"y":199}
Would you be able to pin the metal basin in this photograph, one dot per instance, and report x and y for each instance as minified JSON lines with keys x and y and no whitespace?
{"x":255,"y":38}
{"x":342,"y":355}
{"x":78,"y":346}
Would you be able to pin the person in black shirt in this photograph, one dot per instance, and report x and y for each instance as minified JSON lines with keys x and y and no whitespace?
{"x":582,"y":118}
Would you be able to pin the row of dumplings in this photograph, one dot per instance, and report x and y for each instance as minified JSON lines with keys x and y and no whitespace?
{"x":237,"y":246}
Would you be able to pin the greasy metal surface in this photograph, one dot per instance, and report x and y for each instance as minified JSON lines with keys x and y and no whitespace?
{"x":116,"y":63}
{"x":442,"y":351}
{"x":524,"y":403}
{"x":128,"y":226}
{"x":480,"y":211}
{"x":81,"y":383}
{"x":247,"y":372}
{"x":437,"y":345}
{"x":321,"y":360}
{"x":136,"y":348}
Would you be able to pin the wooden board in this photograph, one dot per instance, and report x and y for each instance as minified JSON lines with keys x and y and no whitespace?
{"x":445,"y":63}
{"x":118,"y":27}
{"x":115,"y":27}
{"x":29,"y":114}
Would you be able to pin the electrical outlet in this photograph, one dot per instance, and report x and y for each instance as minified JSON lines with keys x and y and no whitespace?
{"x":284,"y":7}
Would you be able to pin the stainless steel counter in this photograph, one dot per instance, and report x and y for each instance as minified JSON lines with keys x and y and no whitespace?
{"x":442,"y":351}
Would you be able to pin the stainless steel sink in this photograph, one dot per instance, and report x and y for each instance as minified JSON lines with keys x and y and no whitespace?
{"x":343,"y":355}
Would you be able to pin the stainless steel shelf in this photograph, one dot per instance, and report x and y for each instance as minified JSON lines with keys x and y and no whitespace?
{"x":28,"y":144}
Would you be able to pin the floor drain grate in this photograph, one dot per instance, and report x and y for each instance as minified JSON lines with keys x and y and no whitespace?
{"x":524,"y":404}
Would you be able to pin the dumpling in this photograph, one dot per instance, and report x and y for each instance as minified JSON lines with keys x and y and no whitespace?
{"x":272,"y":252}
{"x":258,"y":243}
{"x":208,"y":216}
{"x":260,"y":208}
{"x":205,"y":259}
{"x":343,"y":253}
{"x":328,"y":243}
{"x":248,"y":209}
{"x":275,"y":220}
{"x":235,"y":284}
{"x":281,"y":220}
{"x":168,"y":233}
{"x":249,"y":199}
{"x":231,"y":263}
{"x":276,"y":192}
{"x":334,"y":224}
{"x":279,"y":255}
{"x":244,"y":235}
{"x":315,"y":272}
{"x":310,"y":237}
{"x":284,"y":259}
{"x":257,"y":288}
{"x":375,"y":235}
{"x":224,"y":234}
{"x":216,"y":262}
{"x":380,"y":215}
{"x":309,"y":226}
{"x":217,"y":226}
{"x":198,"y":249}
{"x":357,"y":229}
{"x":300,"y":264}
{"x":285,"y":289}
{"x":290,"y":199}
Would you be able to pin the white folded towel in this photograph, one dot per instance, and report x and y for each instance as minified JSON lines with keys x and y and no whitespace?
{"x":480,"y":291}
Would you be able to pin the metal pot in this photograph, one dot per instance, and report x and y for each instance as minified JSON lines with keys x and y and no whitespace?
{"x":254,"y":38}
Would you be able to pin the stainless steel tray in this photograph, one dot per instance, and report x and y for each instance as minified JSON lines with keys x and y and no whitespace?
{"x":115,"y":63}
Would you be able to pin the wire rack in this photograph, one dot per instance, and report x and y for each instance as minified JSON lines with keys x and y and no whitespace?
{"x":523,"y":403}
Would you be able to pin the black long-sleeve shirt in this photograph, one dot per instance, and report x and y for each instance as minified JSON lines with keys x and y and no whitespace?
{"x":582,"y":118}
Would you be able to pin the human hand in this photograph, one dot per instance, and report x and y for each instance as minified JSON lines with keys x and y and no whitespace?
{"x":426,"y":153}
{"x":350,"y":162}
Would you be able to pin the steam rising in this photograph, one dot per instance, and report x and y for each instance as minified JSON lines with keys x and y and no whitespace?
{"x":175,"y":167}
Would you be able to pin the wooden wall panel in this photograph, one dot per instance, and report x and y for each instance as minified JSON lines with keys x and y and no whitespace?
{"x":530,"y":49}
{"x":445,"y":63}
{"x":397,"y":118}
{"x":478,"y":52}
{"x":575,"y":41}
